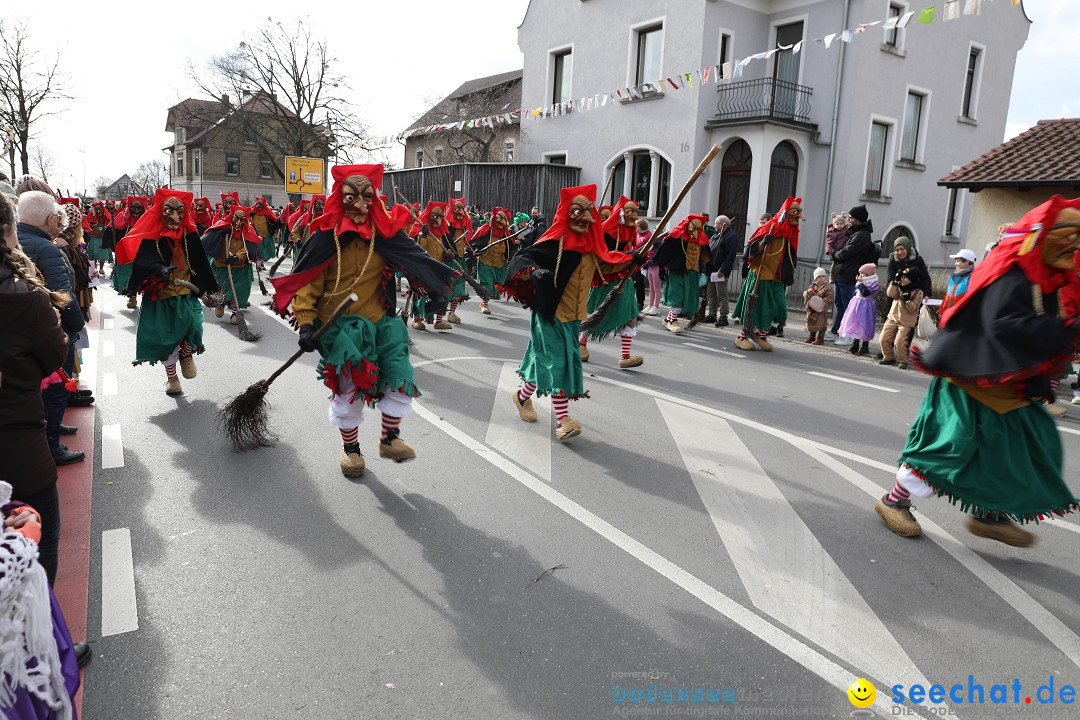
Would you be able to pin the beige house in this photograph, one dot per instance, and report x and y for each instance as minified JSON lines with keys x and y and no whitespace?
{"x":1014,"y":177}
{"x":495,"y":97}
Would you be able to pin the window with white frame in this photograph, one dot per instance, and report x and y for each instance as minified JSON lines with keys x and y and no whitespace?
{"x":562,"y":63}
{"x":419,"y":158}
{"x":894,"y":36}
{"x":198,"y":163}
{"x":438,"y":154}
{"x":971,"y":82}
{"x":952,"y":214}
{"x":724,"y":56}
{"x":232,"y":164}
{"x":557,"y":159}
{"x":266,"y":168}
{"x":650,"y":177}
{"x":875,"y":158}
{"x":508,"y":149}
{"x":914,"y":120}
{"x":649,"y":55}
{"x":180,"y":163}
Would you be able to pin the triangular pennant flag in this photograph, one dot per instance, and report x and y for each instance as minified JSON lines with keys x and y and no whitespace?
{"x":603,"y":101}
{"x":891,"y":22}
{"x":846,"y":36}
{"x":705,"y":75}
{"x":952,"y":10}
{"x":717,"y":74}
{"x":828,"y":39}
{"x":689,"y":78}
{"x":728,"y":70}
{"x":760,"y":55}
{"x":636,"y":92}
{"x":537,"y":111}
{"x":973,"y":7}
{"x":905,"y":20}
{"x":769,"y":54}
{"x":926,"y":15}
{"x":798,"y":47}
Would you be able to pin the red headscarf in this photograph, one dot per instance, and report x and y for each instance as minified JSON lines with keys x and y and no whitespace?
{"x":333,"y":217}
{"x":286,"y":214}
{"x":425,"y":218}
{"x":682,"y":230}
{"x":1020,"y":245}
{"x":122,"y":219}
{"x":466,"y":223}
{"x":150,"y":227}
{"x":207,"y":215}
{"x":234,"y":195}
{"x":777,"y":226}
{"x":613,"y":225}
{"x":265,"y":210}
{"x":104,"y":212}
{"x":590,"y":242}
{"x":487,"y":227}
{"x":248,"y":232}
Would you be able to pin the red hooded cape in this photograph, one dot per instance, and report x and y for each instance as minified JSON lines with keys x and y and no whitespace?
{"x":613,"y":225}
{"x":466,"y":223}
{"x":487,"y":229}
{"x":682,"y":230}
{"x":149,"y":226}
{"x":305,"y":219}
{"x":777,"y":226}
{"x":425,"y":218}
{"x":333,"y":217}
{"x":249,"y":232}
{"x":1020,"y":245}
{"x":266,"y":211}
{"x":590,"y":242}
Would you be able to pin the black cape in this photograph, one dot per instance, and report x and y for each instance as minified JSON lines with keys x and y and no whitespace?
{"x":154,"y":255}
{"x":543,"y":295}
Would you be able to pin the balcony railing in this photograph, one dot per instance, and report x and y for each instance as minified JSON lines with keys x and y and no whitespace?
{"x":763,"y":100}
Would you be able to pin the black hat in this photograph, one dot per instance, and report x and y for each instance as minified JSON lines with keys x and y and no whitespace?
{"x":860,"y":213}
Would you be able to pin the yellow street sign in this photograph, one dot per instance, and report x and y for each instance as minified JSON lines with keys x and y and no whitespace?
{"x":304,"y":175}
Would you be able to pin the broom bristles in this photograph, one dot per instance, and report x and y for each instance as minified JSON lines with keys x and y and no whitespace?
{"x":245,"y":421}
{"x":480,"y":289}
{"x":244,"y":331}
{"x":598,"y":315}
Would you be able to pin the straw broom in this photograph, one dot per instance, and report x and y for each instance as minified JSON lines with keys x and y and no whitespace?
{"x":601,"y":312}
{"x":242,"y":329}
{"x":244,"y":420}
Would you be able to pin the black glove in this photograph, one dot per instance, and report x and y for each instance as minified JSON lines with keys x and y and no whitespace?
{"x":233,"y":260}
{"x":166,"y":273}
{"x":306,"y":343}
{"x":541,"y":275}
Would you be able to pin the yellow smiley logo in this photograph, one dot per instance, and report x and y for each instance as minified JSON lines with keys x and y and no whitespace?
{"x":862,"y":693}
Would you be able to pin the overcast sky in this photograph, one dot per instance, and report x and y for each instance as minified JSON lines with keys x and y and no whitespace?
{"x":402,"y":55}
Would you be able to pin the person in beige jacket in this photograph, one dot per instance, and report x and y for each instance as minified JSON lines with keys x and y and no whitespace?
{"x":903,"y":315}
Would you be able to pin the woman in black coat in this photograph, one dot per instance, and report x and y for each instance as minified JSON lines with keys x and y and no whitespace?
{"x":905,"y":256}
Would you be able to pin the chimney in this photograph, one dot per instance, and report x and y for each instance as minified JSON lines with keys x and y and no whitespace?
{"x":225,"y":100}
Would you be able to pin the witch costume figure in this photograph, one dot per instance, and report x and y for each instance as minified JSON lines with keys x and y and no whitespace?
{"x":167,"y":258}
{"x":492,"y":255}
{"x":983,"y":437}
{"x":683,"y":252}
{"x":232,"y":244}
{"x":356,"y":247}
{"x":553,"y":277}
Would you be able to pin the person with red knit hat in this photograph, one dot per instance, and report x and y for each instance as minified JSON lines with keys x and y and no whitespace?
{"x":356,"y":247}
{"x":769,"y":266}
{"x":683,"y":252}
{"x":492,"y":255}
{"x":98,"y":220}
{"x":204,"y":215}
{"x":433,"y":236}
{"x":301,"y":225}
{"x":164,"y":247}
{"x":460,"y":230}
{"x":233,"y":245}
{"x":123,"y":221}
{"x":620,"y":233}
{"x":265,"y":223}
{"x":983,"y":437}
{"x":552,"y":277}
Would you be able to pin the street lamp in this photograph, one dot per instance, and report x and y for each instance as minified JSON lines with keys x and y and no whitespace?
{"x":83,"y":153}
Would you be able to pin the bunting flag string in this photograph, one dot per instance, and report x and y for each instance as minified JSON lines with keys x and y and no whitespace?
{"x":678,"y":82}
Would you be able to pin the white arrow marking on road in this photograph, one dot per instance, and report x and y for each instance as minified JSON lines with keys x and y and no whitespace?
{"x":112,"y":447}
{"x":853,"y":382}
{"x":119,"y":609}
{"x":785,"y":570}
{"x":717,"y":350}
{"x":526,"y":443}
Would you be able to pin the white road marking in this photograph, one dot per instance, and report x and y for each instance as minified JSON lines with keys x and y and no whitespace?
{"x":528,"y":444}
{"x":106,"y":308}
{"x":108,"y":348}
{"x":764,"y":630}
{"x":277,"y":317}
{"x":716,"y":350}
{"x":109,"y":324}
{"x":89,"y":361}
{"x":785,"y":570}
{"x":108,"y":384}
{"x":1042,"y":619}
{"x":853,"y":382}
{"x":119,"y":608}
{"x":112,"y":447}
{"x":1068,"y":430}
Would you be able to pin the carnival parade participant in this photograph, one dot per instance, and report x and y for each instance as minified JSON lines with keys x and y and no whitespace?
{"x":301,"y":225}
{"x":492,"y":255}
{"x":620,"y":233}
{"x":355,"y":247}
{"x":232,"y":245}
{"x":461,"y":229}
{"x":769,"y":267}
{"x":122,"y":223}
{"x":165,"y":247}
{"x":265,"y":223}
{"x":433,"y":236}
{"x":552,"y":277}
{"x":224,"y":208}
{"x":983,"y":437}
{"x":204,"y":215}
{"x":98,"y":220}
{"x":684,"y":252}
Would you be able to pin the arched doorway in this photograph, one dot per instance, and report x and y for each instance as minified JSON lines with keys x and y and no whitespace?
{"x":890,"y":238}
{"x":735,"y":185}
{"x":783,"y":174}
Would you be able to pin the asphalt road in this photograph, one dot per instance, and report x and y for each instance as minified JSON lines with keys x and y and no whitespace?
{"x":711,"y":530}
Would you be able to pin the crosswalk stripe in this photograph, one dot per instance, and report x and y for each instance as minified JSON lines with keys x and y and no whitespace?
{"x":119,"y":607}
{"x":851,"y":381}
{"x":112,"y":447}
{"x":526,"y":443}
{"x":785,"y":570}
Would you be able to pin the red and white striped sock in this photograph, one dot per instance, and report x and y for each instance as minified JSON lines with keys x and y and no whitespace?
{"x":186,"y":349}
{"x":439,"y":318}
{"x":560,"y":402}
{"x":170,"y":370}
{"x":483,"y":303}
{"x":898,"y":493}
{"x":390,"y":424}
{"x":672,"y":316}
{"x":526,"y":391}
{"x":626,"y":340}
{"x":453,"y":305}
{"x":349,"y":437}
{"x":583,"y":339}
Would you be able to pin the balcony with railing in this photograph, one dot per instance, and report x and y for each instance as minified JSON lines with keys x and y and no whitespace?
{"x":768,"y":100}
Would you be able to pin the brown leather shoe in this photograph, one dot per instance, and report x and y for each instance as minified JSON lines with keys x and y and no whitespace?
{"x":452,"y":317}
{"x":743,"y":344}
{"x":762,"y":341}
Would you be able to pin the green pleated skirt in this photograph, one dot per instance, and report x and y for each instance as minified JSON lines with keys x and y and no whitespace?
{"x":164,"y":324}
{"x":682,"y":290}
{"x":771,"y":304}
{"x":242,"y":277}
{"x":552,"y":360}
{"x":624,"y":313}
{"x":374,"y":356}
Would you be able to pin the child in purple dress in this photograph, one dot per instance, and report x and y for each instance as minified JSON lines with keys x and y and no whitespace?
{"x":860,"y":317}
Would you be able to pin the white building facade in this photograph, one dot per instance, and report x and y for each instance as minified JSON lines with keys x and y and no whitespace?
{"x":874,"y":121}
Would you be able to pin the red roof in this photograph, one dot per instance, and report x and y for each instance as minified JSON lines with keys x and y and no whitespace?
{"x":1046,"y":154}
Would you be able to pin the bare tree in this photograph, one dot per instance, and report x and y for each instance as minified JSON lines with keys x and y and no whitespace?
{"x":150,"y":176}
{"x":44,"y":162}
{"x":290,"y":100}
{"x":27,"y":82}
{"x":100,"y":185}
